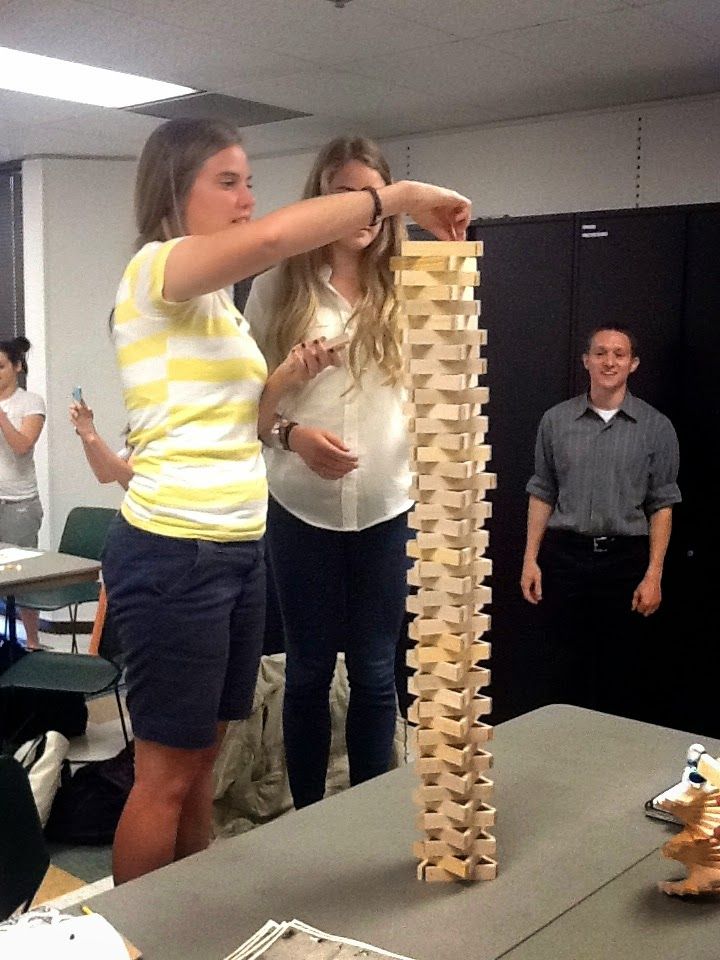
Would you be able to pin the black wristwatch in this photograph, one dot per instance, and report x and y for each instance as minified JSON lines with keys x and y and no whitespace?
{"x":279,"y":433}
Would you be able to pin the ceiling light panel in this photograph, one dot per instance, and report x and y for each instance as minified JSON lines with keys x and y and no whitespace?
{"x":80,"y":83}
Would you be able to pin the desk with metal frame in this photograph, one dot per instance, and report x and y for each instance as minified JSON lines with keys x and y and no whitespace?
{"x":570,"y":789}
{"x":46,"y":570}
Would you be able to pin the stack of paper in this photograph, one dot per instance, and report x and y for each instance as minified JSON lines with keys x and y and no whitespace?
{"x":295,"y":940}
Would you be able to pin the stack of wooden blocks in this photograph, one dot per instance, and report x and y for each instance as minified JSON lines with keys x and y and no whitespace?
{"x":435,"y":286}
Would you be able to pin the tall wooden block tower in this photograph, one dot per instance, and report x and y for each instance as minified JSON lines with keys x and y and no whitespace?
{"x":443,"y":372}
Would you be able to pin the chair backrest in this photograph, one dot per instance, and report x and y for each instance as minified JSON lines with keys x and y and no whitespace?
{"x":23,"y":854}
{"x":85,"y":531}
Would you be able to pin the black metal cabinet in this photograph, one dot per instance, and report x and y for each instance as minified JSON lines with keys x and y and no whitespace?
{"x":629,"y":271}
{"x":526,"y":303}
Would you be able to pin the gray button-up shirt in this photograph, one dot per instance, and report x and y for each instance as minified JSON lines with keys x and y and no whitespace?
{"x":605,"y":479}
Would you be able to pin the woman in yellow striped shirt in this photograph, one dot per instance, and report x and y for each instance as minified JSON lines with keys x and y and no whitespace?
{"x":183,"y":564}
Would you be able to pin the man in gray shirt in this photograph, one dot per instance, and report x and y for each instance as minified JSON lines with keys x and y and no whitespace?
{"x":599,"y":522}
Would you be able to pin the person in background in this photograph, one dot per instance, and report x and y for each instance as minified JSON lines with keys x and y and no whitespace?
{"x":599,"y":522}
{"x":108,"y":466}
{"x":22,"y":417}
{"x":183,"y":563}
{"x":339,"y":478}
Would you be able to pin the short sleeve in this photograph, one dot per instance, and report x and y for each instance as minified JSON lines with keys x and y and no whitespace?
{"x":663,"y":490}
{"x":33,"y":405}
{"x":543,"y":483}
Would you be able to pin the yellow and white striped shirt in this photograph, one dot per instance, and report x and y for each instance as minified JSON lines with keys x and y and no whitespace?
{"x":192,"y":377}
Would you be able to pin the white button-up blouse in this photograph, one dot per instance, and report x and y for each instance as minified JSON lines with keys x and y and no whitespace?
{"x":368,"y":419}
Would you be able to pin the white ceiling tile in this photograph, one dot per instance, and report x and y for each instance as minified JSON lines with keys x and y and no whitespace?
{"x":627,"y":54}
{"x":311,"y":29}
{"x":700,"y":17}
{"x":480,"y":18}
{"x":108,"y":38}
{"x":463,"y":69}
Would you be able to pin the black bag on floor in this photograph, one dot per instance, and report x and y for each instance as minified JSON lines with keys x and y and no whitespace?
{"x":26,"y":714}
{"x":88,"y":805}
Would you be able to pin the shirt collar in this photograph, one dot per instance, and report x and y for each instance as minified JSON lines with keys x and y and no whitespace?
{"x":629,"y":407}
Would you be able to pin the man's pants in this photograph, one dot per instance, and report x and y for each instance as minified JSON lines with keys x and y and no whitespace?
{"x":600,"y":647}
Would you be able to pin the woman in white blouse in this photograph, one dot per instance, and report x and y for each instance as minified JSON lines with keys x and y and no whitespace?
{"x":338,"y":474}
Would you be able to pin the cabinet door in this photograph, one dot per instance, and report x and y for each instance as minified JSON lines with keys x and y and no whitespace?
{"x":629,"y":271}
{"x":691,"y":591}
{"x":525,"y":294}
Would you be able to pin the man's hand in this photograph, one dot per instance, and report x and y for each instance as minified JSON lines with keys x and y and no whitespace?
{"x":647,"y":596}
{"x":531,"y":581}
{"x":323,"y":452}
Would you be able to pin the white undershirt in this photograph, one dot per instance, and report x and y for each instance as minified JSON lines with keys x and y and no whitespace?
{"x":369,"y":420}
{"x":607,"y":415}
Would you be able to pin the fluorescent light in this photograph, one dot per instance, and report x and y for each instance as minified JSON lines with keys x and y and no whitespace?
{"x":79,"y":83}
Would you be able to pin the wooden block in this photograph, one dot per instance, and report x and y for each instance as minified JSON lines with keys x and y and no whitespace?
{"x":447,"y":248}
{"x":447,"y":382}
{"x":451,"y":585}
{"x":443,"y":555}
{"x":478,"y":453}
{"x":431,"y":337}
{"x":465,"y":783}
{"x":430,"y":396}
{"x":434,"y":627}
{"x":478,"y":512}
{"x":448,"y":322}
{"x":427,"y":683}
{"x":449,"y":443}
{"x":432,"y":541}
{"x":429,"y":481}
{"x":485,"y":869}
{"x":433,"y":874}
{"x":435,"y":263}
{"x":472,"y":426}
{"x":461,"y":867}
{"x":440,"y":308}
{"x":469,"y":840}
{"x":445,"y":353}
{"x":425,"y":575}
{"x":448,"y":415}
{"x":434,"y":292}
{"x":456,"y":669}
{"x":428,"y":598}
{"x":449,"y":499}
{"x":429,"y":766}
{"x":422,"y":278}
{"x":420,"y":366}
{"x":451,"y":664}
{"x":442,"y":525}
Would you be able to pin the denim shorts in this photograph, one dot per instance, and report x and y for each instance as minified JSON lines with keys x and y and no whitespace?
{"x":190,"y":616}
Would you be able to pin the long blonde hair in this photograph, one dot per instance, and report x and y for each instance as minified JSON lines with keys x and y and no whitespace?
{"x":376,"y":338}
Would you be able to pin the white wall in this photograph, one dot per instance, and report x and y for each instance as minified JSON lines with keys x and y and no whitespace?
{"x":77,"y":222}
{"x":79,"y":234}
{"x":551,"y":165}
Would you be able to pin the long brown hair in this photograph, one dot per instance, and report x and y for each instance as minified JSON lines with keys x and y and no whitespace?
{"x":376,"y":338}
{"x":171,"y":158}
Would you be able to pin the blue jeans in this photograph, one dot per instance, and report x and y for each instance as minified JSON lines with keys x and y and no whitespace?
{"x":338,"y":590}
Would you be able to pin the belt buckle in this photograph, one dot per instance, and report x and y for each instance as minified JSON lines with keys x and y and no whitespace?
{"x":601,"y":544}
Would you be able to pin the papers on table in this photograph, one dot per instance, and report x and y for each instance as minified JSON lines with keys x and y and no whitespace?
{"x":295,"y":940}
{"x":16,"y":554}
{"x":46,"y":932}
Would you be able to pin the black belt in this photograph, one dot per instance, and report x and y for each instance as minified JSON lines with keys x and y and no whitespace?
{"x":600,"y":544}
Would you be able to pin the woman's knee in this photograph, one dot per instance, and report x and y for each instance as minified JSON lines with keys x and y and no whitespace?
{"x":169,"y":774}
